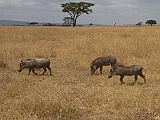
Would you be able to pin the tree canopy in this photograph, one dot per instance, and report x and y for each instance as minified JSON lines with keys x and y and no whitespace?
{"x":76,"y":9}
{"x":139,"y":24}
{"x":151,"y":22}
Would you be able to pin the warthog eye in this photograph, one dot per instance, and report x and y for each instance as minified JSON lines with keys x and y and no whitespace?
{"x":111,"y":70}
{"x":114,"y":68}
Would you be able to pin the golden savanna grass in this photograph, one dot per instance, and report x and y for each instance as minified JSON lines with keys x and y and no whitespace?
{"x":71,"y":93}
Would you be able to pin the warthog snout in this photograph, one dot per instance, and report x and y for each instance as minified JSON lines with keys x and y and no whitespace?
{"x":93,"y":69}
{"x":19,"y":70}
{"x":109,"y":76}
{"x":112,"y":72}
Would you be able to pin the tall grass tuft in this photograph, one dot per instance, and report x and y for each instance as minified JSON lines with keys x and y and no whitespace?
{"x":50,"y":110}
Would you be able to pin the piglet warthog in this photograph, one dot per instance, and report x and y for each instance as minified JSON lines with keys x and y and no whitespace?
{"x":100,"y":62}
{"x":121,"y":70}
{"x":35,"y":63}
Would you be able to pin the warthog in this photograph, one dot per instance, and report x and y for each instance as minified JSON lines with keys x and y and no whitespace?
{"x":100,"y":62}
{"x":121,"y":70}
{"x":35,"y":63}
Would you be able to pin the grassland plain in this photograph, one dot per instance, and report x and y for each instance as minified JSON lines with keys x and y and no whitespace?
{"x":71,"y":93}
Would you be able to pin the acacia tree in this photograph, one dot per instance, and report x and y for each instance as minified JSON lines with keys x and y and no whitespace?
{"x":76,"y":9}
{"x":151,"y":22}
{"x":139,"y":24}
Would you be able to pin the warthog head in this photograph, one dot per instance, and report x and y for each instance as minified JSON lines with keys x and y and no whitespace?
{"x":22,"y":65}
{"x":93,"y":69}
{"x":112,"y":72}
{"x":115,"y":69}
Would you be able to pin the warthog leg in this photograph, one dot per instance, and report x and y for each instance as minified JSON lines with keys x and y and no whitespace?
{"x":101,"y":70}
{"x":34,"y":71}
{"x":135,"y":76}
{"x":121,"y":79}
{"x":44,"y":68}
{"x":29,"y":71}
{"x":143,"y":77}
{"x":49,"y":69}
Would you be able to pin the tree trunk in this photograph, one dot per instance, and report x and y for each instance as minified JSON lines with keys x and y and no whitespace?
{"x":74,"y":22}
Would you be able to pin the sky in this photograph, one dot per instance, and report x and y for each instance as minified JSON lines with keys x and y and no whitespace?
{"x":106,"y":12}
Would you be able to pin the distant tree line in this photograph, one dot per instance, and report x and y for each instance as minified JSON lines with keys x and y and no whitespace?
{"x":75,"y":9}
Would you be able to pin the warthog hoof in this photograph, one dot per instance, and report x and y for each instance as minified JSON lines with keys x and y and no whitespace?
{"x":19,"y":70}
{"x":92,"y":73}
{"x":122,"y":82}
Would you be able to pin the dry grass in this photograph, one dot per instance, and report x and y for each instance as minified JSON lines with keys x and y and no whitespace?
{"x":71,"y":92}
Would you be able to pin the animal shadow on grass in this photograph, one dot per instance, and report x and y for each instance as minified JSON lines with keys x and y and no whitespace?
{"x":46,"y":74}
{"x":135,"y":84}
{"x":96,"y":74}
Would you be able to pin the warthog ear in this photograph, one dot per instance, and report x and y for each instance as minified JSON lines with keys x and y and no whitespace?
{"x":22,"y":61}
{"x":91,"y":65}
